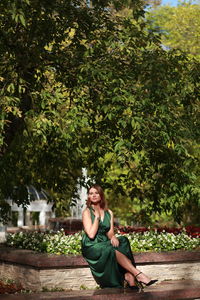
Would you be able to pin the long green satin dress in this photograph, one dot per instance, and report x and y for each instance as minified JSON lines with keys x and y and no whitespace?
{"x":100,"y":255}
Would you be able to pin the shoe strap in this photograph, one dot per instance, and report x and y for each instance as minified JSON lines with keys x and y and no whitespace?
{"x":138,"y":274}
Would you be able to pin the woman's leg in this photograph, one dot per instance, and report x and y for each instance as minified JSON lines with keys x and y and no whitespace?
{"x":127,"y":264}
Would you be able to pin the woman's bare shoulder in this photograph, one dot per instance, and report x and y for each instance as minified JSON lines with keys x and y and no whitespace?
{"x":110,"y":211}
{"x":86,"y":211}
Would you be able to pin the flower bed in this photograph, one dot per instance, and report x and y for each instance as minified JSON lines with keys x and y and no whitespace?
{"x":192,"y":231}
{"x":141,"y":240}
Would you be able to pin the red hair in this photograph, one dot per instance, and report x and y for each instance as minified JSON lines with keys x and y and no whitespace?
{"x":103,"y":203}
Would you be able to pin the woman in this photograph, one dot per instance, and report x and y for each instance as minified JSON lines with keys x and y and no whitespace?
{"x":110,"y":258}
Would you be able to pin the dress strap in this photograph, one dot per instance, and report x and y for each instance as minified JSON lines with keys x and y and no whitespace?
{"x":91,"y":212}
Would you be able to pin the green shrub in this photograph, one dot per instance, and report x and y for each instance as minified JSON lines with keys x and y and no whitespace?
{"x":154,"y":241}
{"x":59,"y":243}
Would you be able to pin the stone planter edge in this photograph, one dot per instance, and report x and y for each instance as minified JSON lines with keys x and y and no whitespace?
{"x":48,"y":261}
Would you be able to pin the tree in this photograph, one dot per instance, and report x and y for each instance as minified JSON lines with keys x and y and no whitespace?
{"x":84,"y":87}
{"x":38,"y":143}
{"x":144,"y":153}
{"x":180,"y":26}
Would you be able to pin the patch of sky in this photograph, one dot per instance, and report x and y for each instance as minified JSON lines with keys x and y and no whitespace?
{"x":178,"y":2}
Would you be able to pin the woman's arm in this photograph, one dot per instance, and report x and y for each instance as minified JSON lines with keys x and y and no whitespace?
{"x":90,"y":229}
{"x":110,"y":234}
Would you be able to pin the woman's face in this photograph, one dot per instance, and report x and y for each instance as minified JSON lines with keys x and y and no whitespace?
{"x":94,"y":196}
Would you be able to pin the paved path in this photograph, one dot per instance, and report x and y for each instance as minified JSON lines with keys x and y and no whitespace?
{"x":165,"y":290}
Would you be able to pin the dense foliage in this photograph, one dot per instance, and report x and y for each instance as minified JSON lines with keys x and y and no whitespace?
{"x":82,"y":86}
{"x":59,"y":243}
{"x":180,"y":26}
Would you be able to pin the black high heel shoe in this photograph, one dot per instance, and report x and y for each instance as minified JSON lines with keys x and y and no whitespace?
{"x":132,"y":287}
{"x":141,"y":283}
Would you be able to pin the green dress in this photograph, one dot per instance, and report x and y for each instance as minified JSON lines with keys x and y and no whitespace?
{"x":100,"y":255}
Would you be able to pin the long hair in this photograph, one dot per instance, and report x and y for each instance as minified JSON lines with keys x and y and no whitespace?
{"x":103,"y":203}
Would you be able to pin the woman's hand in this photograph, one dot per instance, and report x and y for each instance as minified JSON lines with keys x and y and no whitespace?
{"x":114,"y":241}
{"x":97,"y":213}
